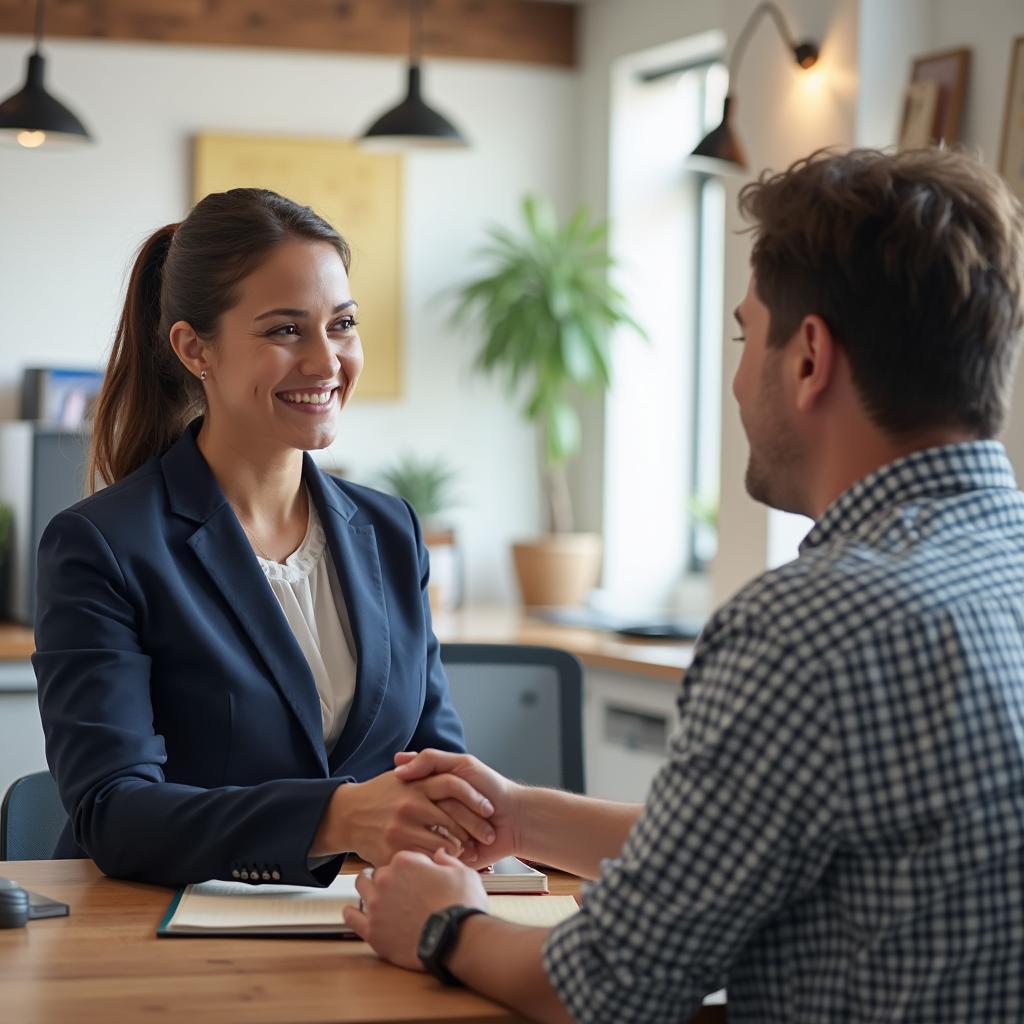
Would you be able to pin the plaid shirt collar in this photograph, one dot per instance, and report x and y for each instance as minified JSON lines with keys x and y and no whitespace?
{"x":929,"y":473}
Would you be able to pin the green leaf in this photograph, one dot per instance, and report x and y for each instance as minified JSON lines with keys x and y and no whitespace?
{"x":544,"y":307}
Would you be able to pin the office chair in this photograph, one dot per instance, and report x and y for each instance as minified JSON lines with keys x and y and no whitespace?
{"x":521,"y":707}
{"x":31,"y":818}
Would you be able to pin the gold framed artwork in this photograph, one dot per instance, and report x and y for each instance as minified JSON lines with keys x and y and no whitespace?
{"x":1011,"y":152}
{"x":360,"y":193}
{"x":934,"y":99}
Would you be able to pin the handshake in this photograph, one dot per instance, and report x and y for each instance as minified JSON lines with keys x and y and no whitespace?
{"x":445,"y":815}
{"x":433,"y":800}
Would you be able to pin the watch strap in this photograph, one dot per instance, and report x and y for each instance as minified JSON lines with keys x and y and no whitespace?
{"x":435,"y":959}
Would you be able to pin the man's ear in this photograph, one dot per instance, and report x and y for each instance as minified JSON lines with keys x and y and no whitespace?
{"x":815,"y":359}
{"x":188,"y":347}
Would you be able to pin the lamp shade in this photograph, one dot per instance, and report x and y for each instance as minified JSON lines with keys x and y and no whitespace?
{"x":413,"y":122}
{"x":721,"y":144}
{"x":32,"y":116}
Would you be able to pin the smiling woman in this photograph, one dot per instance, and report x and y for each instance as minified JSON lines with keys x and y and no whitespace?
{"x":232,"y":645}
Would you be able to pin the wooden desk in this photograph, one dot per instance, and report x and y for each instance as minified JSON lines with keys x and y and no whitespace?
{"x":104,"y":964}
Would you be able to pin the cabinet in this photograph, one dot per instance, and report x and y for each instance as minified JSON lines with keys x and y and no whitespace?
{"x":21,"y":734}
{"x":627,"y":720}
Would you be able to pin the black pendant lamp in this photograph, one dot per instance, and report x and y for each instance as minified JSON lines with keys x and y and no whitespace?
{"x":31,"y":116}
{"x":720,"y":150}
{"x":413,"y":123}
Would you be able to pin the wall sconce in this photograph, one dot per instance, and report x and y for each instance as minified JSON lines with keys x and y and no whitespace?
{"x":721,"y":146}
{"x":31,"y":115}
{"x":413,"y":123}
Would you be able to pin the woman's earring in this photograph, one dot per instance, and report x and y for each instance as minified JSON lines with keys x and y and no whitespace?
{"x":203,"y":375}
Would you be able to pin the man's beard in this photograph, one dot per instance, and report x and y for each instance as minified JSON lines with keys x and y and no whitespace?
{"x":774,"y":465}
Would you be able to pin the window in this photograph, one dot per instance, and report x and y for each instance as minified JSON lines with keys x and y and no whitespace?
{"x":662,"y":416}
{"x":705,"y":459}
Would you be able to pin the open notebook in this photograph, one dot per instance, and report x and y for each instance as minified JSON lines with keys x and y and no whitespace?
{"x":276,"y":911}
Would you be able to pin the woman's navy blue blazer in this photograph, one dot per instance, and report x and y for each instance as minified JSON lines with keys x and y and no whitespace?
{"x":182,"y":722}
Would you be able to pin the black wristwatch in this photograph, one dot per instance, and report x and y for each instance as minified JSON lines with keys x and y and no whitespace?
{"x":438,"y":937}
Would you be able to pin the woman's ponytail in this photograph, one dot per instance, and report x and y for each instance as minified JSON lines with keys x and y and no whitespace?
{"x":147,"y":397}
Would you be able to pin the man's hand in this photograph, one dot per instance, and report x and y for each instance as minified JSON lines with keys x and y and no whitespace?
{"x":376,"y":819}
{"x":398,"y":899}
{"x":505,"y":797}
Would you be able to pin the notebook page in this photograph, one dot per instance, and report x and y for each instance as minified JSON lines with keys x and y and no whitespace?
{"x":235,"y":905}
{"x":538,"y":911}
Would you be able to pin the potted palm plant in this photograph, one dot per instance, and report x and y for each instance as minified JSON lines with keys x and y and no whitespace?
{"x":546,"y":307}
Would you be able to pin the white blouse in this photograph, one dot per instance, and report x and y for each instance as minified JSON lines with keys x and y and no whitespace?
{"x":306,"y":586}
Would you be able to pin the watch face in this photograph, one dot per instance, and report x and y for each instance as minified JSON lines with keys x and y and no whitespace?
{"x":433,"y":933}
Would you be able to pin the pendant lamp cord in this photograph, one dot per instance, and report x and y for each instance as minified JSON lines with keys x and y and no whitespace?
{"x":748,"y":30}
{"x":40,"y":17}
{"x":416,"y":40}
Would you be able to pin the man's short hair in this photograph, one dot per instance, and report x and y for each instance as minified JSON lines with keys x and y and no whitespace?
{"x":915,"y":260}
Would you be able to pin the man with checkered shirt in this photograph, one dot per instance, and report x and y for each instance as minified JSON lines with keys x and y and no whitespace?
{"x":838,"y":832}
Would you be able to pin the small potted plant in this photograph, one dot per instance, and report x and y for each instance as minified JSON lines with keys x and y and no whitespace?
{"x":427,"y":484}
{"x":547,"y":308}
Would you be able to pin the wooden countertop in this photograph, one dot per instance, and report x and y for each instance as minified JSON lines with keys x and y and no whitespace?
{"x":17,"y":643}
{"x":653,"y":659}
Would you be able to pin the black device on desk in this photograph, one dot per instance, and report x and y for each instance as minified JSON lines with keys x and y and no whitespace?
{"x":591,"y":618}
{"x":17,"y":905}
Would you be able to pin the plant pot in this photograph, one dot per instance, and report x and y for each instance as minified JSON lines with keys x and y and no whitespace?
{"x":559,"y":569}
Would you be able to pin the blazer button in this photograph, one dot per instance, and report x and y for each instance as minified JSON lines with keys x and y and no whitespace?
{"x":265,"y":876}
{"x":236,"y":873}
{"x":244,"y":874}
{"x":275,"y":875}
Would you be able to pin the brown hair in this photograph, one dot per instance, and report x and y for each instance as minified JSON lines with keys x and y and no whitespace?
{"x":915,"y":260}
{"x":188,"y":271}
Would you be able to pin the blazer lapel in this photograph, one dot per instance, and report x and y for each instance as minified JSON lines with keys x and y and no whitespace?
{"x":353,"y":547}
{"x":227,"y":557}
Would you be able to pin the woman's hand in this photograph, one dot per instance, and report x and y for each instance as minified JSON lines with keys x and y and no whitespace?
{"x":505,"y":797}
{"x":398,"y":899}
{"x":376,"y":819}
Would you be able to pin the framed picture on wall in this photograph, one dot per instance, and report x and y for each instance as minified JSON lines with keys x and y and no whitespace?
{"x":920,"y":114}
{"x":948,"y":71}
{"x":1011,"y":153}
{"x":358,"y":192}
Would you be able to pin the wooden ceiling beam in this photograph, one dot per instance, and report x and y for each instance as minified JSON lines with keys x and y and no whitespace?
{"x":512,"y":30}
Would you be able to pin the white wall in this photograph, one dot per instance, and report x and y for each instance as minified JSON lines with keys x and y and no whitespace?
{"x":887,"y":34}
{"x":70,"y":220}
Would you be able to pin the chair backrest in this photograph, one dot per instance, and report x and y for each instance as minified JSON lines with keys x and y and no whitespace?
{"x":521,"y":708}
{"x":31,"y":818}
